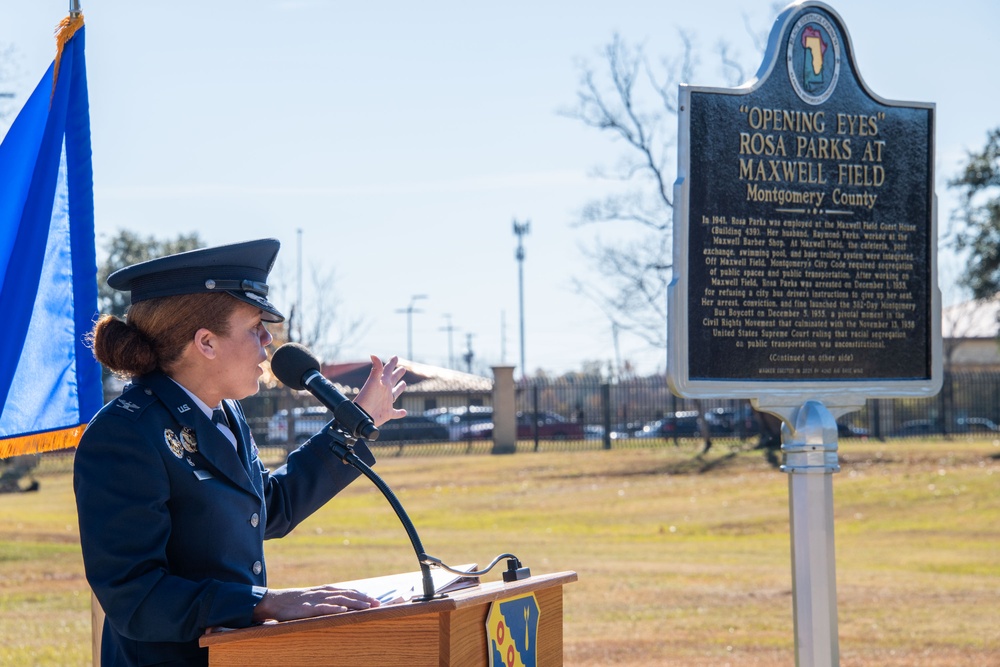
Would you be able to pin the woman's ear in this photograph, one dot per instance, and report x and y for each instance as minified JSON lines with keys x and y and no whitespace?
{"x":205,"y":343}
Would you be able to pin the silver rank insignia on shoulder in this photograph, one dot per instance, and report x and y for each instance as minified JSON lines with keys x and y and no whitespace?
{"x":127,"y":406}
{"x":188,"y":441}
{"x":173,"y":442}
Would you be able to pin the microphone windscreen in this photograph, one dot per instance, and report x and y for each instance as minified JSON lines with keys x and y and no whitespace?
{"x":291,"y":362}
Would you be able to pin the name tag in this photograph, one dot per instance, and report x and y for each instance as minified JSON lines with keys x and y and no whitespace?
{"x":202,"y":475}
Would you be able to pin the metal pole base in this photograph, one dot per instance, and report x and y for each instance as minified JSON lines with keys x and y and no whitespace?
{"x":810,"y":450}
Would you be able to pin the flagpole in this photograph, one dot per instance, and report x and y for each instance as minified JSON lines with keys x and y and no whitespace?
{"x":96,"y":612}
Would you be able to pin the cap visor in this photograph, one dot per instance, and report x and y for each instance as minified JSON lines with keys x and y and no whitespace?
{"x":270,"y":313}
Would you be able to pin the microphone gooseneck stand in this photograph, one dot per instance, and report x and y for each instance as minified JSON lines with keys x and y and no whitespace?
{"x":342,"y":446}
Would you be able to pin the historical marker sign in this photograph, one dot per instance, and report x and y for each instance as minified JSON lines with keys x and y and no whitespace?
{"x":804,"y":229}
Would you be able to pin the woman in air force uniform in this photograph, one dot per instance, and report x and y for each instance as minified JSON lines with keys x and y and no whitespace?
{"x":173,"y":507}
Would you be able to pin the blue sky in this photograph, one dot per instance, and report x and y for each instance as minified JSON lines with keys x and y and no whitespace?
{"x":403,"y":138}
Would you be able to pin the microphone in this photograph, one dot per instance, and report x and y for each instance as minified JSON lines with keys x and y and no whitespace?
{"x":297,"y":368}
{"x":345,"y":452}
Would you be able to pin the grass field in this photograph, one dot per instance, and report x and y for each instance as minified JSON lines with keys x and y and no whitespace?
{"x":682,"y":559}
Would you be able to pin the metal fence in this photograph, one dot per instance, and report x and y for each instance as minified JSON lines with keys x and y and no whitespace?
{"x":591,"y":413}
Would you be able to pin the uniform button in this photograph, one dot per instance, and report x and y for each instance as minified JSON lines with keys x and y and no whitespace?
{"x":257,"y":567}
{"x":254,"y":519}
{"x":148,"y":392}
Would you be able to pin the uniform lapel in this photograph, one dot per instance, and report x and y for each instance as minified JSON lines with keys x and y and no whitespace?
{"x":212,"y":445}
{"x":246,"y":447}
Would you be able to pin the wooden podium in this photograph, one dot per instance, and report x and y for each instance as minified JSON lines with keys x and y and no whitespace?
{"x":446,"y":631}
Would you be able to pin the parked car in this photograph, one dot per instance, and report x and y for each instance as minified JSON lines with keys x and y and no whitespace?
{"x":917,"y":427}
{"x":475,"y":430}
{"x":850,"y":431}
{"x":975,"y":425}
{"x":308,"y":421}
{"x":549,"y":425}
{"x":312,"y":420}
{"x":459,"y":420}
{"x":477,"y":424}
{"x":625,"y":430}
{"x":673,"y":425}
{"x":412,"y":428}
{"x":929,"y":427}
{"x":736,"y":422}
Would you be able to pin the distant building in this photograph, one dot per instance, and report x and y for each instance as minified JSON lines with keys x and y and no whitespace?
{"x":427,"y":387}
{"x":969,"y":332}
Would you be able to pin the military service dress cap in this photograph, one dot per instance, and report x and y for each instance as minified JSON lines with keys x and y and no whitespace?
{"x":239,"y":269}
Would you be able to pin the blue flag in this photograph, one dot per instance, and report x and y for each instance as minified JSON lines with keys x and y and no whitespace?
{"x":50,"y":383}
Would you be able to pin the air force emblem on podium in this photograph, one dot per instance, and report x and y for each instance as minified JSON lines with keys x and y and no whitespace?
{"x":512,"y":632}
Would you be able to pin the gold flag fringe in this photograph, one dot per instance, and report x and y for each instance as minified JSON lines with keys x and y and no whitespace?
{"x":41,"y":442}
{"x":64,"y":32}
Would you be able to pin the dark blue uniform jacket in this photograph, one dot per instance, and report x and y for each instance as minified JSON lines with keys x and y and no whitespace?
{"x":173,"y":519}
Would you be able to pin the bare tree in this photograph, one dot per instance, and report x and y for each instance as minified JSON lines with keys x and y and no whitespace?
{"x":637,"y":105}
{"x":322,"y":325}
{"x":632,"y":293}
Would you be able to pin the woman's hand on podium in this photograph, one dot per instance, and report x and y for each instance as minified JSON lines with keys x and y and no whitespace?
{"x":286,"y":604}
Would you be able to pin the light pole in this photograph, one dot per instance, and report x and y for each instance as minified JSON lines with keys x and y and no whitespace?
{"x":521,"y":230}
{"x":298,"y":294}
{"x":618,"y":357}
{"x":409,"y":310}
{"x":449,"y":328}
{"x":469,"y":355}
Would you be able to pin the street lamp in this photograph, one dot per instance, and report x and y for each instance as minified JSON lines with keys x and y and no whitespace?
{"x":449,"y":328}
{"x":298,"y":294}
{"x":409,"y":310}
{"x":469,"y":355}
{"x":521,"y":230}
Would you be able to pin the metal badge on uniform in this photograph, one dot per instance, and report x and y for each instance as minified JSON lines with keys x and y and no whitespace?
{"x":188,"y":441}
{"x":253,"y":447}
{"x":173,"y":442}
{"x":127,"y":406}
{"x":184,"y":408}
